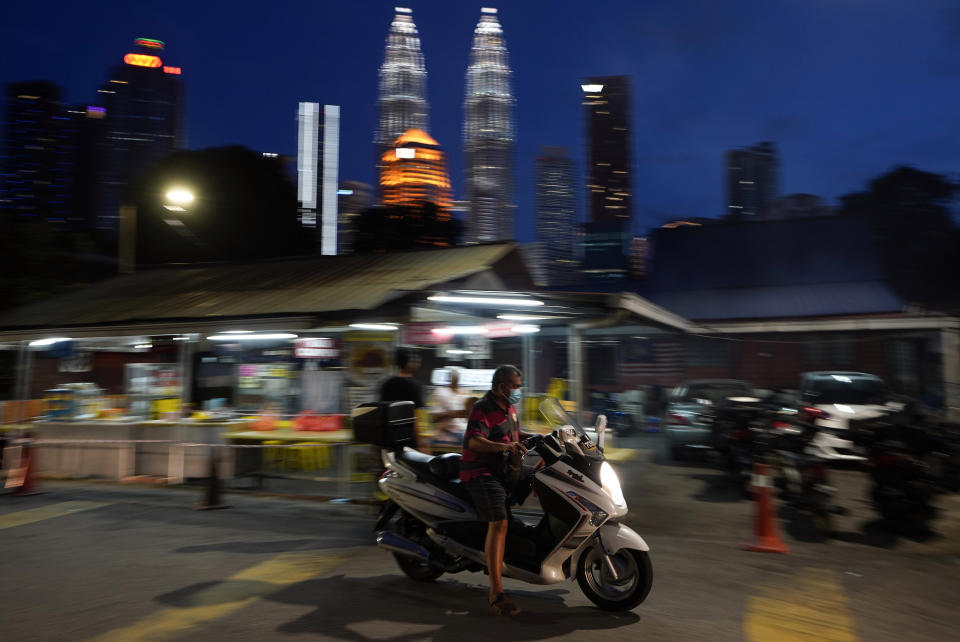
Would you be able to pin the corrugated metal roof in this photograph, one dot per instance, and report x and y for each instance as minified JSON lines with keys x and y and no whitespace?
{"x":302,"y":286}
{"x":814,"y":300}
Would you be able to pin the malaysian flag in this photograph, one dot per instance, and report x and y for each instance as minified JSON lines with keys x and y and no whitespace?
{"x":658,"y":359}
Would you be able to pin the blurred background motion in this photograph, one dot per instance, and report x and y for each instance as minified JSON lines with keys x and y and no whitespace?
{"x":730,"y":228}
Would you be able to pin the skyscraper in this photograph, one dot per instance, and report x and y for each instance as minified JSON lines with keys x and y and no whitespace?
{"x":415,"y":172}
{"x":38,"y":164}
{"x":556,"y":210}
{"x":753,"y":181}
{"x":318,"y":154}
{"x":142,"y":100}
{"x":403,"y":84}
{"x":353,"y":198}
{"x":488,"y":134}
{"x":608,"y":232}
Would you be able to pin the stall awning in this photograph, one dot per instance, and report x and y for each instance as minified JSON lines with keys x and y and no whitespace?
{"x":289,"y":293}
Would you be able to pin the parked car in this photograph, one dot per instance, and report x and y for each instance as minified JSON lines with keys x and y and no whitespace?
{"x":844,"y":397}
{"x":686,"y":419}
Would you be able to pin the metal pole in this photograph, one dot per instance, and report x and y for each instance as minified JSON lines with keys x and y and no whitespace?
{"x":529,"y":372}
{"x":950,"y":338}
{"x":575,"y":368}
{"x":24,"y":366}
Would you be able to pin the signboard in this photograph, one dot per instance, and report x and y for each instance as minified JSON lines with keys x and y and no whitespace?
{"x":316,"y":348}
{"x":469,"y":378}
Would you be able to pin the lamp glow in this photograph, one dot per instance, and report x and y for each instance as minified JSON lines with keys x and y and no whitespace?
{"x":48,"y":342}
{"x":180,"y":196}
{"x":461,"y":329}
{"x":252,"y":337}
{"x":483,"y":300}
{"x":521,"y":317}
{"x":373,"y":326}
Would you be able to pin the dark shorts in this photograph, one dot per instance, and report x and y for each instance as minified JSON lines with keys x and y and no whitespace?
{"x":489,"y":498}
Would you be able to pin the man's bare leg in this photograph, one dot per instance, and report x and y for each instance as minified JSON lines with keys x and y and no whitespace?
{"x":494,"y":547}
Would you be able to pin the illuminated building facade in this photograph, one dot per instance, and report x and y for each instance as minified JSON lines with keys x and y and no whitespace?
{"x":37,"y":180}
{"x":415,"y":172}
{"x":556,"y":215}
{"x":608,"y":233}
{"x":753,"y":181}
{"x":488,"y":134}
{"x":318,"y":154}
{"x":353,"y":197}
{"x":607,"y":106}
{"x":402,"y":98}
{"x":142,"y":124}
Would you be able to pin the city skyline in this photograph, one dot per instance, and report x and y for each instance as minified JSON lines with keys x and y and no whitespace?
{"x":840,"y":113}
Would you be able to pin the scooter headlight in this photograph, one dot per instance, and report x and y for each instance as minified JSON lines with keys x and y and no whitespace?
{"x":611,"y":484}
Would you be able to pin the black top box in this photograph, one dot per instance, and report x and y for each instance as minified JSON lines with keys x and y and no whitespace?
{"x":387,"y":424}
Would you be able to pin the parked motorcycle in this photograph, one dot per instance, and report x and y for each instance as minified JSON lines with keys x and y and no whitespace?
{"x":751,"y":431}
{"x":430,"y":525}
{"x":904,"y":484}
{"x":802,"y":476}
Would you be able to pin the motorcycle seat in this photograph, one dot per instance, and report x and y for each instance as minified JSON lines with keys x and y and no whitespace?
{"x":446,"y":466}
{"x":417,"y":460}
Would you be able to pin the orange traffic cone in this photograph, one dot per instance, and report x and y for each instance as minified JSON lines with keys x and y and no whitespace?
{"x":211,"y":496}
{"x":22,"y":478}
{"x":766,"y":532}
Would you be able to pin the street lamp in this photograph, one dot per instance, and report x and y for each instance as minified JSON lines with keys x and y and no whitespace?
{"x":178,"y":199}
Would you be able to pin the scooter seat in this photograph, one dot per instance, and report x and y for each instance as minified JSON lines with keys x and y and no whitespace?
{"x":417,"y":460}
{"x":446,"y":466}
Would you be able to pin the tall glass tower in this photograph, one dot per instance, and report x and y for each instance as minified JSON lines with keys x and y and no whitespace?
{"x":488,"y":134}
{"x":556,"y":215}
{"x":403,"y":85}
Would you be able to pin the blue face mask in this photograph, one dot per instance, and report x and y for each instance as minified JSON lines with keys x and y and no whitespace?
{"x":514,"y":397}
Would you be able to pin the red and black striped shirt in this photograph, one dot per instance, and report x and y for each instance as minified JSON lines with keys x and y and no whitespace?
{"x":489,"y":420}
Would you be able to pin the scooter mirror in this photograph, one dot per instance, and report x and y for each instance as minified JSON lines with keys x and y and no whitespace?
{"x":601,"y":429}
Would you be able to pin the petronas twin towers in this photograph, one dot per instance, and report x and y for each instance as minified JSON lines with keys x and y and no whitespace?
{"x":488,"y":116}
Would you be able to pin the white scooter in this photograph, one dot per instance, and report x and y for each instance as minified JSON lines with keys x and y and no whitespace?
{"x":430,"y":524}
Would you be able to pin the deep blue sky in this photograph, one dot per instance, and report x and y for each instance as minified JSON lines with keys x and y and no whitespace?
{"x":846,"y":88}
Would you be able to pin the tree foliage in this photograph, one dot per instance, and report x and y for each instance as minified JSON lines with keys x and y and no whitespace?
{"x":909,"y":210}
{"x":392,"y":229}
{"x":245,"y":209}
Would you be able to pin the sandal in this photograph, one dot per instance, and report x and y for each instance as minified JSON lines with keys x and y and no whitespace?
{"x":502,"y":605}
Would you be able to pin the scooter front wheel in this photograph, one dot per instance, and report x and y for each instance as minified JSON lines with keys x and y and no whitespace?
{"x":634,"y":577}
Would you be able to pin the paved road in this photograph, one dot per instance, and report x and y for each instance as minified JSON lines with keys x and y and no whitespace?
{"x":88,"y":561}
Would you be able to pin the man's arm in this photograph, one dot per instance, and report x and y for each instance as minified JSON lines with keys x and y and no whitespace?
{"x":480,"y":444}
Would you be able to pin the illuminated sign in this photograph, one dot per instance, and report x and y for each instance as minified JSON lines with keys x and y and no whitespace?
{"x":96,"y":112}
{"x":149,"y":42}
{"x":172,"y":70}
{"x":344,"y":192}
{"x":316,"y":348}
{"x":592,"y":89}
{"x":142,"y":60}
{"x":405,"y":152}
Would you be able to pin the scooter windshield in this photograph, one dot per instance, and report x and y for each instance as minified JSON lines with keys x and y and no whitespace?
{"x":557,"y":417}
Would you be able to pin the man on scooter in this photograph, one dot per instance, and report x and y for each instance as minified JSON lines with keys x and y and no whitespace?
{"x":493,"y":431}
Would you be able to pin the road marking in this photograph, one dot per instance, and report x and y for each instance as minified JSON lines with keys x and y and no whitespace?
{"x":810,"y":606}
{"x":238,"y":591}
{"x":31,"y":515}
{"x":620,"y":454}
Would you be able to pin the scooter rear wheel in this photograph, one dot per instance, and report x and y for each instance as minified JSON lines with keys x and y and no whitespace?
{"x":416,"y":569}
{"x":635,"y":577}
